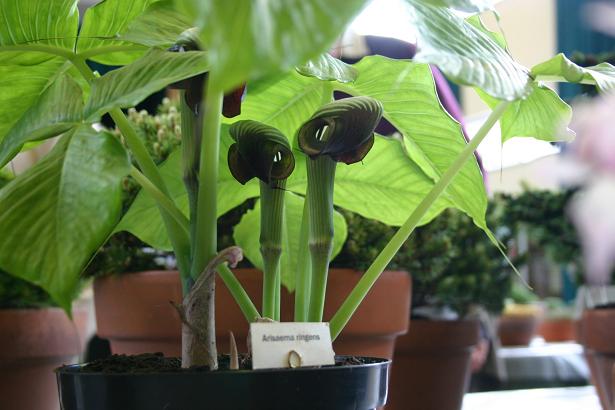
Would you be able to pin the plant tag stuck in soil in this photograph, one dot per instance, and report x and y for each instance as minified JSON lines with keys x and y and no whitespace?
{"x":290,"y":344}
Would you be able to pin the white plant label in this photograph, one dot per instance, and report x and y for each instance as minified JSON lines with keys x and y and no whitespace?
{"x":290,"y":344}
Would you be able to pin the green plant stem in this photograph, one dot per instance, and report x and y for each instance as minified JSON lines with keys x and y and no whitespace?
{"x":238,"y":292}
{"x":191,"y":126}
{"x":199,"y":345}
{"x":345,"y":312}
{"x":278,"y":295}
{"x":304,"y":279}
{"x":161,"y":199}
{"x":179,"y":240}
{"x":272,"y":218}
{"x":321,"y":177}
{"x":205,"y":239}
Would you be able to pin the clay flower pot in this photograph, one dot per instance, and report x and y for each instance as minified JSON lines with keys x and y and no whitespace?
{"x":431,"y":365}
{"x":517,"y":330}
{"x":33,"y":342}
{"x":134,"y":312}
{"x":598,"y":336}
{"x":557,"y":330}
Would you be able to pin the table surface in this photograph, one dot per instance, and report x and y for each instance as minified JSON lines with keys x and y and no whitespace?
{"x":555,"y":363}
{"x":566,"y":398}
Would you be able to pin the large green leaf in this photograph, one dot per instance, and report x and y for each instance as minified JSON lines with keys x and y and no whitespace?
{"x":59,"y":212}
{"x":496,"y":36}
{"x":541,"y":115}
{"x":386,"y":186}
{"x":158,"y":26}
{"x":469,"y":6}
{"x":246,"y":236}
{"x":143,"y":218}
{"x":20,"y":87}
{"x":248,"y":39}
{"x":432,"y":138}
{"x":283,"y":101}
{"x":24,"y":75}
{"x":57,"y":110}
{"x":328,"y":68}
{"x":49,"y":22}
{"x":102,"y":26}
{"x":466,"y":54}
{"x":560,"y":68}
{"x":130,"y":84}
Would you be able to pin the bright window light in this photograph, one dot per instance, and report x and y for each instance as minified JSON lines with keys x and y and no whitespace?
{"x":386,"y":18}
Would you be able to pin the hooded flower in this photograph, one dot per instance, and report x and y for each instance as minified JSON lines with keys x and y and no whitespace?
{"x":259,"y":151}
{"x":343,"y":129}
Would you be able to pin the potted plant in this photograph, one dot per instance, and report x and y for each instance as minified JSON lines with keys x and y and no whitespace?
{"x":558,"y":323}
{"x":520,"y":318}
{"x":35,"y":338}
{"x":79,"y":181}
{"x":538,"y":219}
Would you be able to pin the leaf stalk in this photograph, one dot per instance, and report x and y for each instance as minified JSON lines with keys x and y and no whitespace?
{"x":321,"y":177}
{"x":345,"y":312}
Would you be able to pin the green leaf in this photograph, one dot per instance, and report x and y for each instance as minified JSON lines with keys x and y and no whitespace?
{"x":21,"y":86}
{"x":386,"y":186}
{"x":283,"y":101}
{"x":328,"y":68}
{"x":432,"y":138}
{"x":541,"y":115}
{"x":560,"y":68}
{"x":130,"y":84}
{"x":159,"y":26}
{"x":24,"y":75}
{"x":498,"y":37}
{"x":246,"y":237}
{"x":143,"y":218}
{"x":469,"y":6}
{"x":248,"y":39}
{"x":59,"y":212}
{"x":102,"y":26}
{"x":466,"y":54}
{"x":57,"y":110}
{"x":49,"y":22}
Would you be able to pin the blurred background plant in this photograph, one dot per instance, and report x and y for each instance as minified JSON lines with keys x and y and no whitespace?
{"x":453,"y":264}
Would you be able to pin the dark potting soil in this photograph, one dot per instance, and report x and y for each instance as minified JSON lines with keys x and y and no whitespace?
{"x":157,"y":363}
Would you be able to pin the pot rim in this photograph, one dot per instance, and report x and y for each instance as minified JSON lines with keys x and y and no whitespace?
{"x":73,"y":369}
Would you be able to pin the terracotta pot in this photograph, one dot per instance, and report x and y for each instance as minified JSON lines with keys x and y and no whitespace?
{"x":598,"y":336}
{"x":431,"y":366}
{"x":33,"y":342}
{"x":134,"y":312}
{"x":557,"y":330}
{"x":517,"y":330}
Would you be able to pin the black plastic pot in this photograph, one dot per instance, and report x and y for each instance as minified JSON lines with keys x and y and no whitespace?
{"x":351,"y":387}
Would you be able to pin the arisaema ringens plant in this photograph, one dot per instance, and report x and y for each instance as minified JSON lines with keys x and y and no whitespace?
{"x":59,"y":213}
